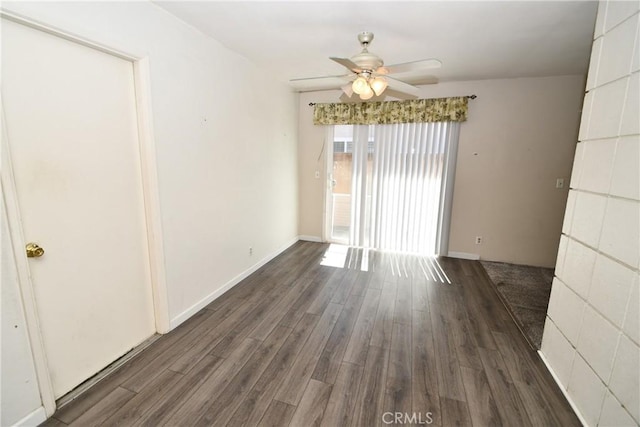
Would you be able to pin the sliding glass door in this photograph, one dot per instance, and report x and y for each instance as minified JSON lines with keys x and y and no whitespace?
{"x":390,"y":186}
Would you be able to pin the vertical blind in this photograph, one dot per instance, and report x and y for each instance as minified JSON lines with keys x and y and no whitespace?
{"x":401,"y":198}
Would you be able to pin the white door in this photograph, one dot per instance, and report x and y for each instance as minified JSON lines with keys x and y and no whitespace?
{"x":73,"y":139}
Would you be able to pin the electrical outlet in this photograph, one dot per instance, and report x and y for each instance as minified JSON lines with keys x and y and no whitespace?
{"x":317,"y":174}
{"x":250,"y":250}
{"x":559,"y":183}
{"x":478,"y":240}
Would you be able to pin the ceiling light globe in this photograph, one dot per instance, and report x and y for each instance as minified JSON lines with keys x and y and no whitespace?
{"x":379,"y":84}
{"x":367,"y":94}
{"x":360,"y":85}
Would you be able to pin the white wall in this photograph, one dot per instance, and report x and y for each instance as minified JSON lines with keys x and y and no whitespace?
{"x":226,"y":153}
{"x":225,"y":141}
{"x":519,"y":137}
{"x":19,"y":393}
{"x":591,"y":338}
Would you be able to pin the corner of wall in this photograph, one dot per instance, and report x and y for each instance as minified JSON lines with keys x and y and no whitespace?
{"x":591,"y":341}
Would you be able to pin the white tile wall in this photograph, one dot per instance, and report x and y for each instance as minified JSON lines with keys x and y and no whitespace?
{"x":606,"y":109}
{"x":568,"y":213}
{"x":585,"y":117}
{"x":578,"y":267}
{"x":635,"y":63}
{"x":597,"y":164}
{"x":598,"y":342}
{"x":618,"y":11}
{"x":625,"y":379}
{"x":632,"y":318}
{"x":631,"y":115}
{"x":625,"y":180}
{"x":592,"y":333}
{"x":565,"y":310}
{"x":598,"y":31}
{"x":620,"y":231}
{"x":587,"y":390}
{"x":613,"y":414}
{"x":576,"y":172}
{"x":561,"y":352}
{"x":588,"y":214}
{"x":610,"y":288}
{"x":596,"y":50}
{"x":617,"y":52}
{"x":562,"y":250}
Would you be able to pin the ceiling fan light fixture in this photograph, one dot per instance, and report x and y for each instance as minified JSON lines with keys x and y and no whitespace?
{"x":347,"y":89}
{"x":360,"y":85}
{"x":379,"y":84}
{"x":368,"y":94}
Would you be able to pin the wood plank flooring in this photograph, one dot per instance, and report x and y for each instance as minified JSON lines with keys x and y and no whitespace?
{"x":300,"y":343}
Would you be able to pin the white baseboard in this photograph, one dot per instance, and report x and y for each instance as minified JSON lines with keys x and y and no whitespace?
{"x":35,"y":418}
{"x":310,"y":238}
{"x":176,"y":321}
{"x":562,"y":388}
{"x":464,"y":255}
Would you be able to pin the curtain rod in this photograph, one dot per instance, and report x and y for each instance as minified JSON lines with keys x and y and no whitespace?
{"x":311,"y":104}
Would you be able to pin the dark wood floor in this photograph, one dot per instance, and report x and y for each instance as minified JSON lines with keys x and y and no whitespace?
{"x":300,"y":343}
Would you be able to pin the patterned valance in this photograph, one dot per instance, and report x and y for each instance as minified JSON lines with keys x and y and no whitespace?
{"x":391,"y":112}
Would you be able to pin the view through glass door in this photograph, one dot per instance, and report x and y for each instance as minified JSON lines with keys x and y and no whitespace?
{"x":340,"y":184}
{"x":343,"y":187}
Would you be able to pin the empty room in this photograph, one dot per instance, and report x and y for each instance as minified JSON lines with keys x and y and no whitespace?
{"x":300,"y":213}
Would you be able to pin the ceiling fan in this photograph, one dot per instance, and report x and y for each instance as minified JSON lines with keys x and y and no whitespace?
{"x":372,"y":77}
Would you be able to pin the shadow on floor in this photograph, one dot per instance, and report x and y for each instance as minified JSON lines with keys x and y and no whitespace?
{"x":525,"y":290}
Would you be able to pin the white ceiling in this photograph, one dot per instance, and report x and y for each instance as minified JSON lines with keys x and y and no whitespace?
{"x":474,"y":40}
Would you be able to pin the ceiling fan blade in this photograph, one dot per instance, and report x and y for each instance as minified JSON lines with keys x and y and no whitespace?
{"x":403,"y":87}
{"x":398,"y":95}
{"x":310,"y":84}
{"x":345,"y":98}
{"x":346,"y":62}
{"x":342,"y":76}
{"x":420,"y":80}
{"x":406,"y":67}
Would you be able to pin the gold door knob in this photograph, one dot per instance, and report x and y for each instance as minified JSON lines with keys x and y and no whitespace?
{"x":34,"y":251}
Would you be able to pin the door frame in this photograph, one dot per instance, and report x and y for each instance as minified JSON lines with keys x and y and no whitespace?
{"x":327,"y":206}
{"x":151,"y":201}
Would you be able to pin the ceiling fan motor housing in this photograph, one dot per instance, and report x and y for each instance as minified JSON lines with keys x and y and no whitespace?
{"x":367,"y":61}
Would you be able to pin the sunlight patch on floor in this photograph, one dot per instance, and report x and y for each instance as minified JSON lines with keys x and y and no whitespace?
{"x":335,"y":256}
{"x":396,"y":264}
